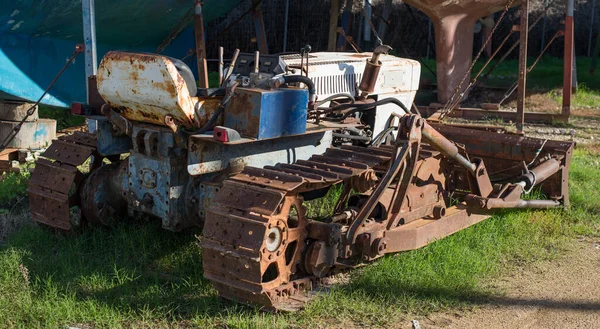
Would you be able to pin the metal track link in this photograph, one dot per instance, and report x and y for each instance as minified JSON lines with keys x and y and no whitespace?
{"x":255,"y":231}
{"x":55,"y":181}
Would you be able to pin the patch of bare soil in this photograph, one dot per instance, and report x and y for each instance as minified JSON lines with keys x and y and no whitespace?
{"x":563,"y":293}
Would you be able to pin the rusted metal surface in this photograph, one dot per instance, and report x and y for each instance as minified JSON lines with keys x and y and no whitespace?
{"x":369,"y":78}
{"x":522,"y":82}
{"x":208,"y":156}
{"x":259,"y":247}
{"x":101,"y":198}
{"x":200,"y":45}
{"x":569,"y":50}
{"x":447,"y":147}
{"x":480,"y":114}
{"x":124,"y":126}
{"x":371,"y":72}
{"x":95,"y":100}
{"x":253,"y":248}
{"x":54,"y":185}
{"x":454,"y":23}
{"x":148,"y":87}
{"x":423,"y":231}
{"x":277,"y":267}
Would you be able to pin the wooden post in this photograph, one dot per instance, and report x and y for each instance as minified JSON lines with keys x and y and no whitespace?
{"x":200,"y":46}
{"x":523,"y":29}
{"x":333,"y":23}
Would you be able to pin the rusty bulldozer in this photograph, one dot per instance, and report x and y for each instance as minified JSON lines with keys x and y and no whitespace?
{"x":241,"y":160}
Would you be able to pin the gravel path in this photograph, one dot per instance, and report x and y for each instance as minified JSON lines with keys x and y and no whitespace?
{"x":562,"y":293}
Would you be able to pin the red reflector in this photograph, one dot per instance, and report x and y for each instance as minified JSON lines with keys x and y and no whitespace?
{"x":220,"y":134}
{"x":77,"y":108}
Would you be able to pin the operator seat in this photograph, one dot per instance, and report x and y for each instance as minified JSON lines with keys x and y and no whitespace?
{"x":147,"y":87}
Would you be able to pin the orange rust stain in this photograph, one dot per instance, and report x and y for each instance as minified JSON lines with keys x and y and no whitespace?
{"x":240,"y":104}
{"x":360,"y":55}
{"x":134,"y":74}
{"x":210,"y":106}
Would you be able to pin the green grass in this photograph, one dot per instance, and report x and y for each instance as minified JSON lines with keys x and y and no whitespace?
{"x":13,"y":185}
{"x":63,"y":117}
{"x":138,"y":275}
{"x":584,"y":97}
{"x":546,"y":78}
{"x":547,"y":74}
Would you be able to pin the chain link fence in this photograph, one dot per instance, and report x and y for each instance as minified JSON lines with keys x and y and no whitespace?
{"x":408,"y":30}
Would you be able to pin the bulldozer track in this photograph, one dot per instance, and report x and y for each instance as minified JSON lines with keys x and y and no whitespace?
{"x":54,"y":183}
{"x":255,"y":235}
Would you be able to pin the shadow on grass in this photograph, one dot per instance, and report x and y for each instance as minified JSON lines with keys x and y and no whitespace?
{"x":134,"y":267}
{"x":140,"y":271}
{"x":139,"y":267}
{"x":137,"y":271}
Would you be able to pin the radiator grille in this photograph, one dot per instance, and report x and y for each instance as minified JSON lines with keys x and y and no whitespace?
{"x":334,"y":84}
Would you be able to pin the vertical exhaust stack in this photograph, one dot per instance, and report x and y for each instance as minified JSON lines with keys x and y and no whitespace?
{"x":371,"y":73}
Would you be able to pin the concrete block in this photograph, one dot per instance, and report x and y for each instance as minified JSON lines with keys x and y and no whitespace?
{"x":33,"y":135}
{"x":10,"y":111}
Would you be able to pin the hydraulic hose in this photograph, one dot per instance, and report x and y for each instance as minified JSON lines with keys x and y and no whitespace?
{"x":336,"y":96}
{"x":369,"y":106}
{"x":378,"y":103}
{"x":213,"y":118}
{"x":312,"y":96}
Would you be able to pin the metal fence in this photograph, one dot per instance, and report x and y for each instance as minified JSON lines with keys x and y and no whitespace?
{"x":409,"y":31}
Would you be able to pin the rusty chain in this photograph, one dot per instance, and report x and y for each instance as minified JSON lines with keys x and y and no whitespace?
{"x":371,"y":25}
{"x":453,"y":101}
{"x":31,"y":110}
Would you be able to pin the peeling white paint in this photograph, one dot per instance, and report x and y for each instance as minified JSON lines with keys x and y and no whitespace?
{"x":10,"y":22}
{"x":15,"y":13}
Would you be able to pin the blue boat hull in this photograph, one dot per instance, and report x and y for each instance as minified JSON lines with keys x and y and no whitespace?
{"x":38,"y":36}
